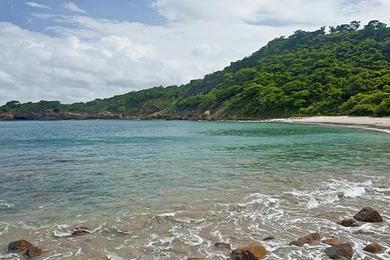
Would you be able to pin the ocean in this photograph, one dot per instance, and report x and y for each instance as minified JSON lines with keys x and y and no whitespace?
{"x":171,"y":189}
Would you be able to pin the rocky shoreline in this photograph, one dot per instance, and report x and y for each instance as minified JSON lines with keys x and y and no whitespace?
{"x":337,"y":249}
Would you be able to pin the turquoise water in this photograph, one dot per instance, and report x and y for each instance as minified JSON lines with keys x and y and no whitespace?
{"x":96,"y":172}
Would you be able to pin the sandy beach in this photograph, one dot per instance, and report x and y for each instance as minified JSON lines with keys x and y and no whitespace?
{"x":360,"y":121}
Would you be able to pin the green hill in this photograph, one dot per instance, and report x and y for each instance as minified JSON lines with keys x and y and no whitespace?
{"x":345,"y":71}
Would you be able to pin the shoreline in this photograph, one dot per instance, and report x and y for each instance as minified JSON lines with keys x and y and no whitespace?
{"x":371,"y":123}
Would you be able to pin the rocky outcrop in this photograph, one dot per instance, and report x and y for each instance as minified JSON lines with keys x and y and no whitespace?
{"x":373,"y":248}
{"x":59,"y":116}
{"x":368,"y":214}
{"x":223,"y":245}
{"x":308,"y":239}
{"x":348,"y":222}
{"x":24,"y":247}
{"x":340,"y":251}
{"x":251,"y":252}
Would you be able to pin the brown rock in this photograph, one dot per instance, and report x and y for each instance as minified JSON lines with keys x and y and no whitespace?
{"x":79,"y":231}
{"x":333,"y":241}
{"x":348,"y":222}
{"x":373,"y":248}
{"x":340,"y":251}
{"x":308,"y":239}
{"x":223,"y":245}
{"x":368,"y":214}
{"x":24,"y":247}
{"x":251,"y":252}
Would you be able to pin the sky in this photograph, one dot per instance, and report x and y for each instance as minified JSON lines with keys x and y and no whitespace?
{"x":80,"y":50}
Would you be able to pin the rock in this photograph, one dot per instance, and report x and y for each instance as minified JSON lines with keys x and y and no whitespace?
{"x":373,"y":248}
{"x":348,"y":222}
{"x":368,"y":214}
{"x":79,"y":231}
{"x":24,"y":247}
{"x":340,"y":251}
{"x":341,"y":195}
{"x":269,"y":238}
{"x":308,"y":239}
{"x":223,"y":245}
{"x":333,"y":241}
{"x":195,"y":258}
{"x":251,"y":252}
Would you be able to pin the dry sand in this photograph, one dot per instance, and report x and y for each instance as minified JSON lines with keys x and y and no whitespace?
{"x":358,"y":121}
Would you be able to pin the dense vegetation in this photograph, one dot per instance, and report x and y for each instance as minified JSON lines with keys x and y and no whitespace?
{"x":345,"y":71}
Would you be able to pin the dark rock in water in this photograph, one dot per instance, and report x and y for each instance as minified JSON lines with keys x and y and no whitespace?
{"x":333,"y":241}
{"x":79,"y":231}
{"x":348,"y":222}
{"x":374,"y":248}
{"x":251,"y":252}
{"x":368,"y":214}
{"x":269,"y":238}
{"x":308,"y":239}
{"x":24,"y":247}
{"x":341,"y":195}
{"x":340,"y":251}
{"x":195,"y":258}
{"x":223,"y":245}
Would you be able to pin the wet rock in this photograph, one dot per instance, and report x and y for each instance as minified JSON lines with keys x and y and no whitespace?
{"x":195,"y":258}
{"x":24,"y":247}
{"x":223,"y":245}
{"x":308,"y":239}
{"x":343,"y":251}
{"x":269,"y":238}
{"x":341,"y":195}
{"x":79,"y":231}
{"x":368,"y":214}
{"x":333,"y":241}
{"x":251,"y":252}
{"x":373,"y":248}
{"x":348,"y":222}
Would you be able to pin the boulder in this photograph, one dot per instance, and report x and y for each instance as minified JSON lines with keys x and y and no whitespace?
{"x":24,"y":247}
{"x":368,"y":214}
{"x":348,"y":222}
{"x":223,"y":245}
{"x":251,"y":252}
{"x":308,"y":239}
{"x":79,"y":231}
{"x":373,"y":248}
{"x":340,"y":251}
{"x":332,"y":241}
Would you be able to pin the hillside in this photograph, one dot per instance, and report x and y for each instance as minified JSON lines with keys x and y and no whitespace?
{"x":345,"y":71}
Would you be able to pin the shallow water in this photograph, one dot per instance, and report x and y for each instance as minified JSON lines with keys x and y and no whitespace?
{"x":171,"y":189}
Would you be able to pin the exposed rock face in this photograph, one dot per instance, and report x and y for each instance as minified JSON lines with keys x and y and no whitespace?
{"x":223,"y":245}
{"x":24,"y":247}
{"x":333,"y":241}
{"x":368,"y":215}
{"x":251,"y":252}
{"x":308,"y":239}
{"x":348,"y":222}
{"x":373,"y":248}
{"x":79,"y":231}
{"x":340,"y":251}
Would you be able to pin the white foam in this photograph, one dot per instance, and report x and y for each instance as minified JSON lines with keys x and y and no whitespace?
{"x":313,"y":203}
{"x":354,"y":192}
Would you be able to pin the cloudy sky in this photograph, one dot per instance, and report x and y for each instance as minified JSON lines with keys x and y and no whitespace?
{"x":85,"y":49}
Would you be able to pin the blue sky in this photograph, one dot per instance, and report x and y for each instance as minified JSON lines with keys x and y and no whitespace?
{"x":85,"y":49}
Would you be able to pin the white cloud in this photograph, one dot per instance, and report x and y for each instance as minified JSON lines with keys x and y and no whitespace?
{"x":83,"y":58}
{"x":73,"y":7}
{"x":37,"y":5}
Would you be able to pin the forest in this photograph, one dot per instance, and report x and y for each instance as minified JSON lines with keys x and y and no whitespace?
{"x":342,"y":70}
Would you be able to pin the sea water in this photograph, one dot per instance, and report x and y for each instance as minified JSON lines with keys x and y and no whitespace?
{"x":171,"y":189}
